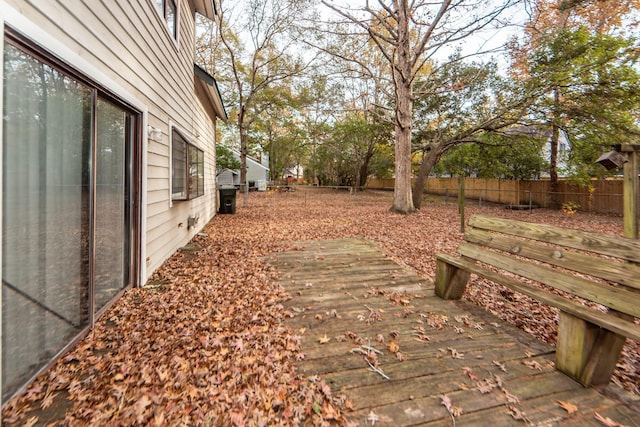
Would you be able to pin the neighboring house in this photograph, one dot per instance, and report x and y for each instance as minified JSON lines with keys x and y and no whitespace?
{"x":293,"y":173}
{"x":256,"y":171}
{"x":564,"y":149}
{"x":108,"y":161}
{"x":564,"y":145}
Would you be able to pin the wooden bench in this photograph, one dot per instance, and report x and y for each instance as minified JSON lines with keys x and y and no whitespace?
{"x":600,"y":268}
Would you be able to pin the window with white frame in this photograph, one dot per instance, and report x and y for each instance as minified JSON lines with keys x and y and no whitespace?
{"x":187,"y":169}
{"x":169,"y":11}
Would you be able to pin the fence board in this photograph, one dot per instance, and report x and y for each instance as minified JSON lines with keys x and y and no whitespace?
{"x":605,"y":198}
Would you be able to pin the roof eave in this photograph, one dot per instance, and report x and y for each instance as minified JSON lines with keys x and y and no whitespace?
{"x":205,"y":8}
{"x":209,"y":94}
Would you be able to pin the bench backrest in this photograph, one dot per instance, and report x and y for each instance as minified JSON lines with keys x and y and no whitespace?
{"x":610,"y":258}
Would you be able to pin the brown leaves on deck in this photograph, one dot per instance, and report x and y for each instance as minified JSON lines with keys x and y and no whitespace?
{"x":206,"y":340}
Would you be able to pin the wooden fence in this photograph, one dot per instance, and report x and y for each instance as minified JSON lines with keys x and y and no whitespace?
{"x":606,"y":196}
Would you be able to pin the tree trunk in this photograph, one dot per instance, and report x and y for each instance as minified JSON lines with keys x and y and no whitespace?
{"x":364,"y":168}
{"x":428,"y":163}
{"x":553,"y":160}
{"x":553,"y":165}
{"x":402,"y":199}
{"x":243,"y":148}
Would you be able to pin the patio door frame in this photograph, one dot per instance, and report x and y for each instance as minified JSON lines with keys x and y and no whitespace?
{"x":133,"y":180}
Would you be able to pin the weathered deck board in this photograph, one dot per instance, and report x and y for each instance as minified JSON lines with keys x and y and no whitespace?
{"x":349,"y":293}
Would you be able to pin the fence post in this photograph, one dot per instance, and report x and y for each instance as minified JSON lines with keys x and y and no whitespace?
{"x":480,"y":200}
{"x":530,"y":202}
{"x":630,"y":193}
{"x":461,"y":202}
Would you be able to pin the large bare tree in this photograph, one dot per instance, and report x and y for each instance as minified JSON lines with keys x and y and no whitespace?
{"x":410,"y":34}
{"x":257,"y":38}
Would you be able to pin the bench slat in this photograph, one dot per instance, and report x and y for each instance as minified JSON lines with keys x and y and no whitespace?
{"x":623,"y":273}
{"x":614,"y":324}
{"x":621,"y":247}
{"x":617,"y":298}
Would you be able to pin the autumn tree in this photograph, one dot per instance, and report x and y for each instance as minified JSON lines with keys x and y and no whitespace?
{"x":408,"y":34}
{"x":464,"y":103}
{"x":355,"y":144}
{"x":551,"y":22}
{"x":595,"y":87}
{"x":255,"y":41}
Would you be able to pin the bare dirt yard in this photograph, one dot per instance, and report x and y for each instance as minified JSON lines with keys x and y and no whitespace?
{"x":204,"y":342}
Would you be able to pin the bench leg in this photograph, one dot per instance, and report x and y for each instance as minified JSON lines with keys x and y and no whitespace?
{"x":451,"y":281}
{"x":586,"y":352}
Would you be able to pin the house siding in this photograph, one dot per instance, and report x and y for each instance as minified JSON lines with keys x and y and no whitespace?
{"x":124,"y":47}
{"x":129,"y":43}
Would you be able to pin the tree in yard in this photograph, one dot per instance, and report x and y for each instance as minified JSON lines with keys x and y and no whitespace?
{"x":408,"y":34}
{"x":594,"y":92}
{"x":255,"y":40}
{"x":356,"y":143}
{"x":499,"y":156}
{"x":560,"y":49}
{"x":466,"y":104}
{"x":225,"y":159}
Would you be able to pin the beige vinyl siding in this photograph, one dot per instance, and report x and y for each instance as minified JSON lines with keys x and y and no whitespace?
{"x":129,"y":43}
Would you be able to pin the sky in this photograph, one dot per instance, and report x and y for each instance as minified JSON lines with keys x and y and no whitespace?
{"x":493,"y":37}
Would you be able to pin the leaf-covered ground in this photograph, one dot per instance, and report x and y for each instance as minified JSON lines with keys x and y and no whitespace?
{"x":204,"y":343}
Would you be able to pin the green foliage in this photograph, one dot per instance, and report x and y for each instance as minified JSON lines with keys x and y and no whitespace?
{"x":356,"y":147}
{"x":225,"y":159}
{"x":596,"y":79}
{"x":506,"y":157}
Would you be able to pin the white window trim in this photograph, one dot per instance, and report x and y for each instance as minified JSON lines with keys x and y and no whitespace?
{"x":188,"y":137}
{"x":176,"y":39}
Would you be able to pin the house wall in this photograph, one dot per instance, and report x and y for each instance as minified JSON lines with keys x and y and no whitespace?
{"x":256,"y":172}
{"x":126,"y":47}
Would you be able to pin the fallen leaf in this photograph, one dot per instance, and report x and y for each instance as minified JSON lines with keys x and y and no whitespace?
{"x":31,"y":422}
{"x":517,"y":414}
{"x":393,"y":347}
{"x":533,"y":364}
{"x":446,"y":401}
{"x":500,"y":365}
{"x":47,"y":400}
{"x":455,"y":354}
{"x":469,"y":372}
{"x":511,"y":398}
{"x":323,"y":340}
{"x":453,"y":410}
{"x":570,"y":408}
{"x":485,"y":386}
{"x":607,"y":421}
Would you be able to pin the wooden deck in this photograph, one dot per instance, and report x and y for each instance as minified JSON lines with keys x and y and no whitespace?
{"x":348,"y":298}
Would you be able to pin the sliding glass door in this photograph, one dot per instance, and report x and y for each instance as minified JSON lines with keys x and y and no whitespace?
{"x":67,"y":217}
{"x":115,"y":130}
